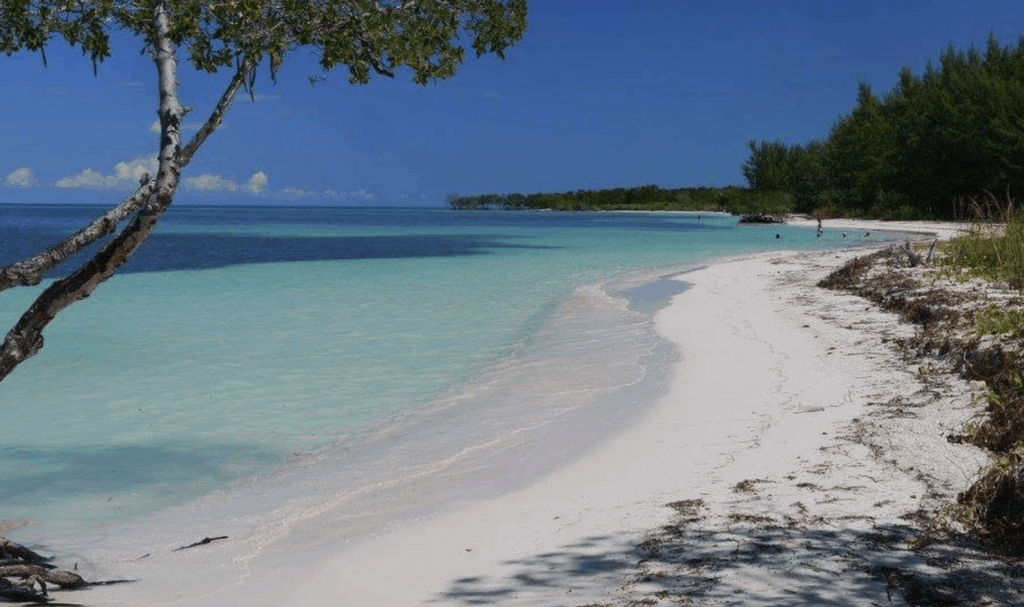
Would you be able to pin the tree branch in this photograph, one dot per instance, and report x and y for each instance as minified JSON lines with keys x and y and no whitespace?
{"x":242,"y":73}
{"x":375,"y":59}
{"x":26,"y":338}
{"x":29,"y":272}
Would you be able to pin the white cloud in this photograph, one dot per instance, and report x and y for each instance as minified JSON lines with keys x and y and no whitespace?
{"x":155,"y":127}
{"x":126,"y":175}
{"x":361,"y":194}
{"x":87,"y":179}
{"x":327,"y":195}
{"x":257,"y":182}
{"x":298,"y":192}
{"x":135,"y":169}
{"x":21,"y":178}
{"x":210,"y":182}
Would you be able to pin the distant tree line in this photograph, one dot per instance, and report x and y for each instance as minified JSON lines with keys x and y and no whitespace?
{"x":919,"y":151}
{"x":730,"y":199}
{"x":923,"y":150}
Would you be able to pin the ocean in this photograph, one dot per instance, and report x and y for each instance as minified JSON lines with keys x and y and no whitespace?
{"x":271,"y":368}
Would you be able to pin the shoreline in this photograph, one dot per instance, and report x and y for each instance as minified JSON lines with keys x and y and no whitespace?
{"x":756,"y":397}
{"x":755,"y":431}
{"x":943,"y":230}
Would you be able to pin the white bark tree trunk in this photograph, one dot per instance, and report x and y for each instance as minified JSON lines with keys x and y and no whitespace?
{"x":25,"y":339}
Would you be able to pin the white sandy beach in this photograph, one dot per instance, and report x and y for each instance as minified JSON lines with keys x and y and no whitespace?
{"x":782,"y":418}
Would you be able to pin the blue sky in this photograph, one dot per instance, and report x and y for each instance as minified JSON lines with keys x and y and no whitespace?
{"x":599,"y":93}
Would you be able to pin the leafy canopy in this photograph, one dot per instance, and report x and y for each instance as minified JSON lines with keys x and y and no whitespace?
{"x":366,"y":36}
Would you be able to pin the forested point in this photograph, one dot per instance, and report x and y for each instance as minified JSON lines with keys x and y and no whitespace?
{"x":729,"y":199}
{"x":931,"y":148}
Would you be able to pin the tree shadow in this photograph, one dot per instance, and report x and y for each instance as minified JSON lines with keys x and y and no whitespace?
{"x":760,"y":561}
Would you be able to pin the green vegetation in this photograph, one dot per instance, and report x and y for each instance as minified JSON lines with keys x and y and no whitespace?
{"x":990,"y":252}
{"x":919,"y":151}
{"x":730,"y":199}
{"x":995,"y":320}
{"x":994,"y":504}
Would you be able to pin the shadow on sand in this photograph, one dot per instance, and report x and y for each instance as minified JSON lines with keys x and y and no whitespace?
{"x":759,"y":561}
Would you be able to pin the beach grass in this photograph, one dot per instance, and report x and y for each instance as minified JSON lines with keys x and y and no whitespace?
{"x":994,"y":248}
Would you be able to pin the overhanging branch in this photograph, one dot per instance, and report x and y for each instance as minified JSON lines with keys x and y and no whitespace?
{"x":26,"y":338}
{"x":30,"y":271}
{"x":242,"y":73}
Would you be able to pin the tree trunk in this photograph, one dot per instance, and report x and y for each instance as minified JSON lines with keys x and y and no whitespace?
{"x":26,"y":338}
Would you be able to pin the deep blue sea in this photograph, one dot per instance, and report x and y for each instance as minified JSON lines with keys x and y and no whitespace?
{"x":292,"y":359}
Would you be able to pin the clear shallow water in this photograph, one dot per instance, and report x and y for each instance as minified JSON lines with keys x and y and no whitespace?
{"x":289,"y":360}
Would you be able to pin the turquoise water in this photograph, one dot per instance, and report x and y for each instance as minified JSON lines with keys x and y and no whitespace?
{"x":246,"y":350}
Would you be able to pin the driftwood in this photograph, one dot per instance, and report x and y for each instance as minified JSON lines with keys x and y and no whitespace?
{"x":23,"y":592}
{"x":906,"y":256}
{"x":24,"y":575}
{"x":13,"y":550}
{"x":60,"y":577}
{"x":202,"y":542}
